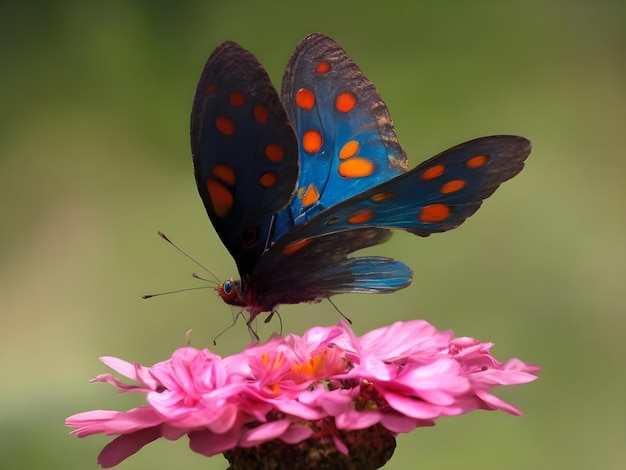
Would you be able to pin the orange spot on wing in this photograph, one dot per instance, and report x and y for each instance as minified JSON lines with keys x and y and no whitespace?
{"x":360,"y":217}
{"x":210,"y":89}
{"x":221,"y":197}
{"x":260,"y":113}
{"x":345,"y":102}
{"x":295,"y":246}
{"x":312,"y":141}
{"x":224,"y":173}
{"x":267,"y":179}
{"x":305,"y":99}
{"x":382,"y":197}
{"x":433,"y":172}
{"x":237,"y":98}
{"x":349,"y":149}
{"x":434,"y":213}
{"x":477,"y":161}
{"x":311,"y":195}
{"x":356,"y":167}
{"x":225,"y":125}
{"x":452,"y":186}
{"x":274,"y":152}
{"x":322,"y":67}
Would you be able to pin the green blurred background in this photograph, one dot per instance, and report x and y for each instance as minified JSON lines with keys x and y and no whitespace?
{"x":94,"y":159}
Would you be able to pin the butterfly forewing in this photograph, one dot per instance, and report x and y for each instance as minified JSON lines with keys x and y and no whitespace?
{"x":245,"y":151}
{"x":436,"y":196}
{"x":346,"y":136}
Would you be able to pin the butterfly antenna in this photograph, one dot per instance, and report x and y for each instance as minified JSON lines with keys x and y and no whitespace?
{"x":164,"y":237}
{"x":149,"y":296}
{"x":339,"y":311}
{"x":200,"y":278}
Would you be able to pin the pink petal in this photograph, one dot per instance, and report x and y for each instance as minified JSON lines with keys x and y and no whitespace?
{"x":403,"y":339}
{"x":126,"y":445}
{"x":494,"y":377}
{"x":340,"y":445}
{"x":113,"y":422}
{"x":209,"y":444}
{"x":516,"y":364}
{"x":437,"y":382}
{"x":496,"y":403}
{"x":401,"y":423}
{"x":226,"y":419}
{"x":89,"y":422}
{"x":299,"y":410}
{"x":412,"y":407}
{"x":296,"y":433}
{"x":127,"y":369}
{"x":354,"y":419}
{"x":263,"y":433}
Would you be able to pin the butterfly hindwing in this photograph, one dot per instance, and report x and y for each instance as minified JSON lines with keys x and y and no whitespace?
{"x":311,"y":261}
{"x":317,"y":268}
{"x":245,"y":151}
{"x":346,"y":136}
{"x":436,"y":196}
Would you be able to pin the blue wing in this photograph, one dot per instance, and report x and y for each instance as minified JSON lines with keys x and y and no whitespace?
{"x":436,"y":196}
{"x":347,"y":142}
{"x":245,"y":152}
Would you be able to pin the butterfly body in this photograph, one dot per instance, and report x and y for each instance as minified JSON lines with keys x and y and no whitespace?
{"x":293,"y":187}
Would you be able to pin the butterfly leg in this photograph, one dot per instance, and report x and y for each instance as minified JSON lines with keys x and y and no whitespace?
{"x":235,"y":319}
{"x":269,"y":318}
{"x":339,"y":311}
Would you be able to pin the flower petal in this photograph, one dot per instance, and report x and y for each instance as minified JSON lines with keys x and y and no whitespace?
{"x":327,"y":381}
{"x":263,"y":433}
{"x":126,"y":445}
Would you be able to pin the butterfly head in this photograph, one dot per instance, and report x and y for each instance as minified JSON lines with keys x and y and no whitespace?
{"x":231,"y":293}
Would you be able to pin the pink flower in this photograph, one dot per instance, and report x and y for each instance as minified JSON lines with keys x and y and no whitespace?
{"x":325,"y":384}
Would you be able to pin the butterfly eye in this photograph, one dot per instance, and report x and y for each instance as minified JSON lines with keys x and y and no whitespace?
{"x":228,"y":287}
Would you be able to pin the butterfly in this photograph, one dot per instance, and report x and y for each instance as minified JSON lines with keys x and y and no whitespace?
{"x":294,"y":185}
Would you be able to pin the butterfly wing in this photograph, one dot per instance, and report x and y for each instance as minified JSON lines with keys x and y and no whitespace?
{"x":350,"y":190}
{"x":436,"y":196}
{"x":346,"y":136}
{"x":318,"y":268}
{"x":245,"y":152}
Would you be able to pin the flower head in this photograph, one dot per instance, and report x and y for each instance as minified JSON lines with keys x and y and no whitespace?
{"x":327,"y":385}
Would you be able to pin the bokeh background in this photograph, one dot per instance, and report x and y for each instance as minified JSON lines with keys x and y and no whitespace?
{"x":94,"y":159}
